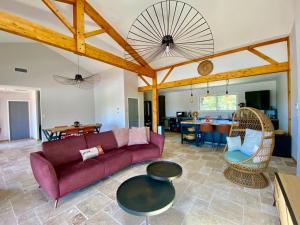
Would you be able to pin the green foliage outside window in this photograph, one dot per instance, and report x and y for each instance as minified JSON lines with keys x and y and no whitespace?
{"x":218,"y":103}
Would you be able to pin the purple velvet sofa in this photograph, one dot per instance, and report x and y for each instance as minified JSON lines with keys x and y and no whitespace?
{"x":59,"y":168}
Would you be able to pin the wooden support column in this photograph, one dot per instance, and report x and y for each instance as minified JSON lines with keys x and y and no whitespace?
{"x":289,"y":87}
{"x":154,"y":104}
{"x":78,"y":17}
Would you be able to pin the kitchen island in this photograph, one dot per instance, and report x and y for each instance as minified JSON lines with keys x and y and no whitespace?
{"x":190,"y":130}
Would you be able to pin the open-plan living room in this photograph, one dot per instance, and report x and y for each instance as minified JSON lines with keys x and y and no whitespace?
{"x":138,"y":112}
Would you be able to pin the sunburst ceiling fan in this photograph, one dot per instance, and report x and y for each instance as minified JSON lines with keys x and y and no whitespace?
{"x":170,"y":28}
{"x":78,"y":80}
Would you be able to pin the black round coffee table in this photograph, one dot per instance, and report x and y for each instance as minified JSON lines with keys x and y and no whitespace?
{"x":164,"y":170}
{"x":144,"y":196}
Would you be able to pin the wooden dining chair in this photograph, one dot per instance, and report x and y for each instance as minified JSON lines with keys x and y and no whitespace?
{"x":223,"y":131}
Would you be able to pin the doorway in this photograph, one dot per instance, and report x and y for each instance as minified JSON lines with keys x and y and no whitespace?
{"x":18,"y":112}
{"x":133,"y":112}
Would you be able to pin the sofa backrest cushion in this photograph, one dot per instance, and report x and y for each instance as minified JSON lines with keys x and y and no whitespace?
{"x":122,"y":136}
{"x":106,"y":139}
{"x":64,"y":151}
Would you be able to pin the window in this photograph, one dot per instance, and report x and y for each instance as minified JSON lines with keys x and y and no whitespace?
{"x":218,"y":103}
{"x":208,"y":103}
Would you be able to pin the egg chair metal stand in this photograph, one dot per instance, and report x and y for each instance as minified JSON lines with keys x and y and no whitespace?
{"x":249,"y":172}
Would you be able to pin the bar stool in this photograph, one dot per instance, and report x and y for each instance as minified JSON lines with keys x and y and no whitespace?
{"x":223,"y":131}
{"x":207,"y":133}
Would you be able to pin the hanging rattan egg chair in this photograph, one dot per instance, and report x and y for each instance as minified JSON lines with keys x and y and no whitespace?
{"x":248,"y":171}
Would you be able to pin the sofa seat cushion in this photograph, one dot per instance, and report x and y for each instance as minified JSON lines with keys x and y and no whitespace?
{"x":106,"y":139}
{"x":235,"y":156}
{"x":115,"y":160}
{"x":64,"y":151}
{"x":78,"y":174}
{"x":143,"y":152}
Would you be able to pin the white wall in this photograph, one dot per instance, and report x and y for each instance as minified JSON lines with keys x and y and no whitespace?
{"x":110,"y":99}
{"x":130,"y":85}
{"x":281,"y":99}
{"x":180,"y":100}
{"x":295,"y":70}
{"x":60,"y":104}
{"x":29,"y":97}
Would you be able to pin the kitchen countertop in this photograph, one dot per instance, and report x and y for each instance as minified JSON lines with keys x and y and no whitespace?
{"x":212,"y":122}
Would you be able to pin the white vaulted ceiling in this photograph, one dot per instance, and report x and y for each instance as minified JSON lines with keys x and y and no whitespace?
{"x":234,"y":23}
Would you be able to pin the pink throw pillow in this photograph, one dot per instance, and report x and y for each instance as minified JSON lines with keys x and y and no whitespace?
{"x":121,"y":135}
{"x":147,"y":133}
{"x":137,"y":136}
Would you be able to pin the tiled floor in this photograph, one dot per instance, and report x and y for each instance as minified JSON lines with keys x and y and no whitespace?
{"x":203,"y":195}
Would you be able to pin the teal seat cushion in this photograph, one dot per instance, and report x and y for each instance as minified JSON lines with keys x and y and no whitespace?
{"x":235,"y":156}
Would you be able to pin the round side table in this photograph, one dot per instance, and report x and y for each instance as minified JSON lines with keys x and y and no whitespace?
{"x":144,"y":196}
{"x":164,"y":170}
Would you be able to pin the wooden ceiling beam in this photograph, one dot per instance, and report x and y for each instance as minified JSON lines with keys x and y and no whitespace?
{"x":145,"y":88}
{"x":167,"y":75}
{"x":245,"y":48}
{"x":248,"y":72}
{"x":67,"y":1}
{"x":22,"y":27}
{"x":57,"y":13}
{"x":94,"y":33}
{"x":143,"y":79}
{"x":91,"y":12}
{"x":109,"y":58}
{"x":78,"y":19}
{"x":262,"y":55}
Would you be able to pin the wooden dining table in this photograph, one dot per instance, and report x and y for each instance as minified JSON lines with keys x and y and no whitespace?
{"x":56,"y":132}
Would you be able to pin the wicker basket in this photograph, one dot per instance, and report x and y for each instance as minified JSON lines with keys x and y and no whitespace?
{"x":190,"y":137}
{"x":191,"y":129}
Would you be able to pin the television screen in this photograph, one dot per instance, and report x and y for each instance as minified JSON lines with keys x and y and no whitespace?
{"x":258,"y":99}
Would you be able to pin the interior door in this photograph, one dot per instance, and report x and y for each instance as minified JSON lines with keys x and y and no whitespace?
{"x":18,"y":120}
{"x":133,"y":112}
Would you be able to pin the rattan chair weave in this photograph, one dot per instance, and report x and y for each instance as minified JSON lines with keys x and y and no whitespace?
{"x":249,"y":172}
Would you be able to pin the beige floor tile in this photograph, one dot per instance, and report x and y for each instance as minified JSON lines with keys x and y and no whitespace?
{"x":203,"y":194}
{"x":71,"y":217}
{"x":204,"y":218}
{"x":101,"y":218}
{"x":27,"y":201}
{"x":8,"y":218}
{"x":228,"y":210}
{"x":93,"y":204}
{"x":127,"y":219}
{"x":255,"y":216}
{"x":28,"y":218}
{"x":171,"y":217}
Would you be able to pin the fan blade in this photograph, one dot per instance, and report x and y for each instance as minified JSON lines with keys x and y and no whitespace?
{"x":93,"y":78}
{"x":85,"y":85}
{"x":64,"y":80}
{"x":184,"y":54}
